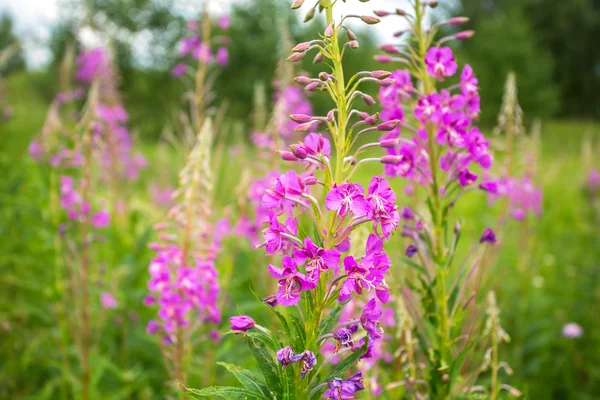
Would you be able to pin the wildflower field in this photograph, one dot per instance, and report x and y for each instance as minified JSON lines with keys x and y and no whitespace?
{"x":362,"y":231}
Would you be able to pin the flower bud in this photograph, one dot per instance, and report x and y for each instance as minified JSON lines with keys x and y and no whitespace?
{"x":457,"y":228}
{"x":411,"y":250}
{"x":299,"y":151}
{"x":271,"y":300}
{"x":295,"y":57}
{"x":400,"y":12}
{"x":297,"y":4}
{"x":368,"y":99}
{"x":311,"y":87}
{"x":288,"y":156}
{"x":445,"y":377}
{"x":388,"y":48}
{"x":324,"y":76}
{"x":399,"y":33}
{"x":328,"y":31}
{"x":407,"y":213}
{"x":389,"y":143}
{"x":464,"y":35}
{"x":310,"y":180}
{"x":386,"y":82}
{"x":490,"y":186}
{"x":382,"y":58}
{"x":488,"y":236}
{"x":381,"y":74}
{"x":353,"y":44}
{"x":372,"y":119}
{"x":319,"y":57}
{"x":363,"y":115}
{"x":367,"y":19}
{"x":309,"y":15}
{"x":389,"y":125}
{"x":301,"y":47}
{"x":391,"y":159}
{"x":300,"y":118}
{"x":381,"y":13}
{"x":242,"y":323}
{"x":331,"y":115}
{"x":350,"y":34}
{"x":303,"y":127}
{"x":458,"y":20}
{"x":302,"y":80}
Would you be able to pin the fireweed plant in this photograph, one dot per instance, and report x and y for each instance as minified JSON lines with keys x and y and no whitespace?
{"x":441,"y":153}
{"x":75,"y":145}
{"x":183,"y":278}
{"x":314,"y":277}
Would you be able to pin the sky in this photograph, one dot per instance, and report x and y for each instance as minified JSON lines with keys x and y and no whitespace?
{"x":34,"y":19}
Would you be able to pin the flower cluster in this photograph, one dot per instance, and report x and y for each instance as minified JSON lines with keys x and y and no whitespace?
{"x":200,"y":48}
{"x":77,"y":208}
{"x":523,"y":197}
{"x":184,"y":294}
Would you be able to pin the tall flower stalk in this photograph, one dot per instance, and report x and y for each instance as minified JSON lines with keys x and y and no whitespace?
{"x":314,"y":278}
{"x":442,"y":153}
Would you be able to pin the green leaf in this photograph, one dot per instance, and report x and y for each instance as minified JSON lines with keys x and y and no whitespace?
{"x":225,"y":392}
{"x":416,"y":266}
{"x":457,"y":364}
{"x":300,"y":341}
{"x":246,"y":378}
{"x":268,"y":367}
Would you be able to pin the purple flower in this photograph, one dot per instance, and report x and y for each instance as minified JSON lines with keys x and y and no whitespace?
{"x":203,"y":53}
{"x":179,"y":70}
{"x":407,"y":213}
{"x":274,"y":241}
{"x":346,"y":198}
{"x":466,"y":177}
{"x":108,"y":301}
{"x":242,"y":323}
{"x":286,"y":356}
{"x":428,"y":107}
{"x":369,"y":319}
{"x":453,"y":130}
{"x":101,"y":219}
{"x":572,"y":330}
{"x":288,"y":185}
{"x":338,"y":389}
{"x":479,"y":148}
{"x":343,"y":337}
{"x":492,"y":187}
{"x":291,"y":282}
{"x":308,"y":360}
{"x":468,"y":82}
{"x":316,"y":143}
{"x":366,"y":275}
{"x":384,"y":212}
{"x":152,"y":327}
{"x":488,"y":236}
{"x":411,"y":250}
{"x":317,"y":260}
{"x":440,"y":62}
{"x":406,"y":163}
{"x":222,"y":56}
{"x":224,"y":22}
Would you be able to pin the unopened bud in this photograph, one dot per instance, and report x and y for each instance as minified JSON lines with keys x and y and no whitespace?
{"x":299,"y":151}
{"x":399,"y":33}
{"x":382,"y":58}
{"x":353,"y":44}
{"x":300,"y":118}
{"x":379,"y":74}
{"x":445,"y":377}
{"x":350,"y":34}
{"x":411,"y":250}
{"x":367,"y":19}
{"x":372,"y":119}
{"x":381,"y":13}
{"x":310,"y":180}
{"x":302,"y":127}
{"x":390,"y":49}
{"x":301,"y":47}
{"x":457,"y":228}
{"x":324,"y":76}
{"x":295,"y":57}
{"x":331,"y":115}
{"x":351,"y":160}
{"x":363,"y":115}
{"x":329,"y":31}
{"x":433,"y":4}
{"x":464,"y":35}
{"x":389,"y":125}
{"x":458,"y":20}
{"x":400,"y":12}
{"x":386,"y":82}
{"x":368,"y":99}
{"x":318,"y":58}
{"x":297,"y":4}
{"x":389,"y":143}
{"x":391,"y":159}
{"x":311,"y":87}
{"x":271,"y":300}
{"x":302,"y":80}
{"x":288,"y":156}
{"x":309,"y":15}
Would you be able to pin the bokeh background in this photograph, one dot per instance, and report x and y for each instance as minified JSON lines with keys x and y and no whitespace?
{"x":551,"y":46}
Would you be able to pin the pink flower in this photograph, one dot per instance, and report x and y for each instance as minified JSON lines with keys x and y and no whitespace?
{"x":572,"y":330}
{"x":224,"y":22}
{"x":101,"y":219}
{"x":222,"y":56}
{"x":179,"y":70}
{"x":347,"y":198}
{"x":291,"y":282}
{"x":440,"y":62}
{"x":108,"y":301}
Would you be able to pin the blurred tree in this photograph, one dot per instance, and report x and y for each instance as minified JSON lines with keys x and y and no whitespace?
{"x":15,"y":62}
{"x":567,"y":31}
